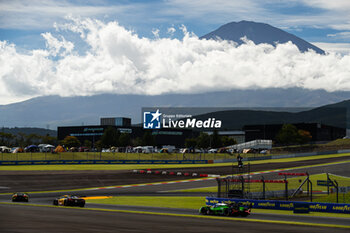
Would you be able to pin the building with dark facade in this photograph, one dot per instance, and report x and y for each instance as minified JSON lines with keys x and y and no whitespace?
{"x":319,"y":132}
{"x":117,"y":121}
{"x":177,"y":136}
{"x":93,"y":133}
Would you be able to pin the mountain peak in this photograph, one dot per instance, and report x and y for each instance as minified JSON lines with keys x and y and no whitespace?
{"x":259,"y":33}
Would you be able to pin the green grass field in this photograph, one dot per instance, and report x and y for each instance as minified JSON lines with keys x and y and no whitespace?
{"x":121,"y":156}
{"x":114,"y":156}
{"x":339,"y":142}
{"x":168,"y":202}
{"x":332,"y":198}
{"x":98,"y":167}
{"x":153,"y":166}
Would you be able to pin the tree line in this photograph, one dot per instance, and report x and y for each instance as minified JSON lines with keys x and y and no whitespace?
{"x":112,"y":138}
{"x":291,"y":135}
{"x":23,"y":140}
{"x":288,"y":135}
{"x":205,"y":141}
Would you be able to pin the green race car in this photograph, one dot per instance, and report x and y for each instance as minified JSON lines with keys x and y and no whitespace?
{"x":234,"y":209}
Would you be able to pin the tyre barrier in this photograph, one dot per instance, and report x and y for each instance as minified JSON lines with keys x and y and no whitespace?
{"x":172,"y":173}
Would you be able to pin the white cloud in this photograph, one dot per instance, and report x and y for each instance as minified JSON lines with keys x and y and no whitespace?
{"x":39,"y":14}
{"x":345,"y":35}
{"x":341,"y":48}
{"x":155,"y":32}
{"x":210,"y":8}
{"x":339,"y":5}
{"x":57,"y":47}
{"x":171,"y":31}
{"x":333,"y":14}
{"x":119,"y":61}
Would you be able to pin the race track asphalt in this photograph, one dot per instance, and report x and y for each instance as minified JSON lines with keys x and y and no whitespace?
{"x":43,"y":219}
{"x":258,"y":216}
{"x":14,"y":181}
{"x":169,"y":186}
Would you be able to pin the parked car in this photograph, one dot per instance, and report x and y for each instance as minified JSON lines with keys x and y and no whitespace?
{"x":31,"y":148}
{"x":46,"y":147}
{"x":212,"y":151}
{"x":5,"y":149}
{"x":73,"y":149}
{"x":83,"y":149}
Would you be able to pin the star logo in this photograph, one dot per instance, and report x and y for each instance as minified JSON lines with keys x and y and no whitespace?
{"x":156,"y":115}
{"x":151,"y":120}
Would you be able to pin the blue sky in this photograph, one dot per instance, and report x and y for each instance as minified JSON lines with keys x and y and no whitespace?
{"x":72,"y":48}
{"x":21,"y":22}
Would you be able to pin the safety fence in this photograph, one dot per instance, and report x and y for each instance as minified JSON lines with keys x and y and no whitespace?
{"x":284,"y":205}
{"x":254,"y":157}
{"x":326,"y":187}
{"x":37,"y":158}
{"x":28,"y":156}
{"x":242,"y":186}
{"x":57,"y":162}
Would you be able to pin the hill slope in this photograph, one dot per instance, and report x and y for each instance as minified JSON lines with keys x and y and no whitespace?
{"x":333,"y":115}
{"x":52,"y":111}
{"x":259,"y":33}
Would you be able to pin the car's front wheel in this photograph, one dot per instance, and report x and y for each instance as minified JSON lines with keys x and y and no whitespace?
{"x":204,"y":210}
{"x":226,"y":212}
{"x":244,"y":214}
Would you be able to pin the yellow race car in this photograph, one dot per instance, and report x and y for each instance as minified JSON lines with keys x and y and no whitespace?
{"x":69,"y":200}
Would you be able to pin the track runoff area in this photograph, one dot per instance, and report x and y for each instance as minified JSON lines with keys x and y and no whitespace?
{"x":39,"y":214}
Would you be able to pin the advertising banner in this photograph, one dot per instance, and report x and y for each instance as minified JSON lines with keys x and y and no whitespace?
{"x":56,"y":162}
{"x":284,"y":205}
